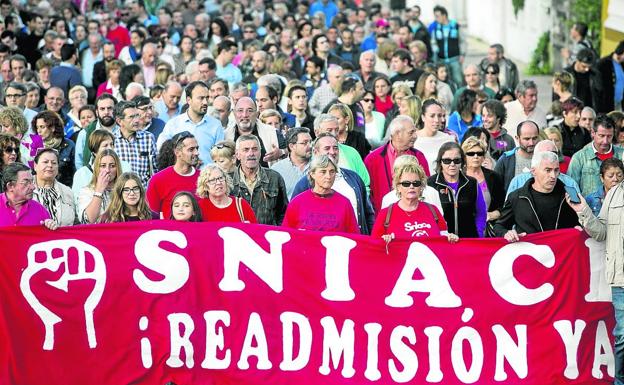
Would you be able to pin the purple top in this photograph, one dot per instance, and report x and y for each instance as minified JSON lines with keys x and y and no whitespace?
{"x":481,"y":215}
{"x":31,"y":213}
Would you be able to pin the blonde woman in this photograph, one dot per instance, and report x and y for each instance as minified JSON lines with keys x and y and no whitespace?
{"x":223,"y":154}
{"x":127,"y":202}
{"x":13,"y":122}
{"x":346,"y":134}
{"x":554,"y":134}
{"x":95,"y":197}
{"x":216,"y":203}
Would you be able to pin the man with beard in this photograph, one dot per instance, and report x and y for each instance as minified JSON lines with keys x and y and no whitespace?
{"x":246,"y":116}
{"x":262,"y":187}
{"x":99,"y":68}
{"x":206,"y":129}
{"x":104,"y":107}
{"x":260,"y":62}
{"x":296,"y":165}
{"x":132,"y":144}
{"x":182,"y":176}
{"x":518,"y":160}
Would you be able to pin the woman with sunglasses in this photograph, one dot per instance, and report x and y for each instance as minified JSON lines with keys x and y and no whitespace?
{"x":410,"y":217}
{"x":9,"y":153}
{"x":462,"y":200}
{"x":127,"y":201}
{"x":56,"y":197}
{"x":216,"y":203}
{"x":375,"y":120}
{"x":491,"y":77}
{"x":490,"y":183}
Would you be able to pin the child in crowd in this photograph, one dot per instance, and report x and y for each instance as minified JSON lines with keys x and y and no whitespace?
{"x":184,"y":208}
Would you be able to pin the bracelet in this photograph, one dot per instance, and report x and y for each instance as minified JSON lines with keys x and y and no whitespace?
{"x":98,"y":195}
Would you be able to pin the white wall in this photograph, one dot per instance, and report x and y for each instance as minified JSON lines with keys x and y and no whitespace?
{"x":493,"y":21}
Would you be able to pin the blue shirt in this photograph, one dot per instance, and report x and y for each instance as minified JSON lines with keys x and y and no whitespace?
{"x":162,"y":111}
{"x":521,"y":179}
{"x":207,"y":131}
{"x":619,"y":82}
{"x":330,"y":10}
{"x":230,"y":73}
{"x":457,"y":125}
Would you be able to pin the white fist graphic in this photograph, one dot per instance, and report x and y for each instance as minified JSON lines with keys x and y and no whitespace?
{"x":52,"y":263}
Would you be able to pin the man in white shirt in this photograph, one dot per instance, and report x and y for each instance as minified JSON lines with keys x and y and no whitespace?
{"x":525,"y":108}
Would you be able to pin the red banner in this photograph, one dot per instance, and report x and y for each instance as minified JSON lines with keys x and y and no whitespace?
{"x":153,"y":302}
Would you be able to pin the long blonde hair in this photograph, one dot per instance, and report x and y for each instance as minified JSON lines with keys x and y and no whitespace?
{"x":96,"y":165}
{"x":117,"y":210}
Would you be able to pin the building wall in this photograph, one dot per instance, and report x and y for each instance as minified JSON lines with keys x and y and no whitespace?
{"x":612,"y":32}
{"x":493,"y":21}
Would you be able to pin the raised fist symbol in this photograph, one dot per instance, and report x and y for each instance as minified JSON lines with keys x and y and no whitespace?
{"x":53,"y":263}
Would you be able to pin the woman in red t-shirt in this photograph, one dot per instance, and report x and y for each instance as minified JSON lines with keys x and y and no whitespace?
{"x":215,"y":202}
{"x":410,"y":217}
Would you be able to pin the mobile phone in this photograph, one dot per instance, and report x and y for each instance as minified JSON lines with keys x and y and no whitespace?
{"x":574,"y":197}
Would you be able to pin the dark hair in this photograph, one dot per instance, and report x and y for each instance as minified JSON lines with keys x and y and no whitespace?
{"x":494,"y":67}
{"x":476,"y":132}
{"x":67,"y":51}
{"x":17,"y":86}
{"x":192,"y":85}
{"x":585,"y":56}
{"x":42,"y":151}
{"x":210,"y":61}
{"x":50,"y":118}
{"x":224,"y":28}
{"x":9,"y":174}
{"x":609,"y":163}
{"x":225,"y":45}
{"x":104,"y":97}
{"x":293,"y":133}
{"x":428,"y":103}
{"x":572,"y":104}
{"x":505,"y":92}
{"x":197,"y":215}
{"x":5,"y":141}
{"x":89,"y":107}
{"x":318,"y":62}
{"x":166,"y":156}
{"x":126,"y":76}
{"x":121,"y":107}
{"x":620,"y":48}
{"x":300,"y":28}
{"x":270,"y":90}
{"x":296,"y":87}
{"x":447,"y":147}
{"x":441,"y":9}
{"x":314,"y":41}
{"x":403,"y":55}
{"x":604,"y":121}
{"x":581,"y":28}
{"x":348,"y":84}
{"x":466,"y":101}
{"x":497,"y":108}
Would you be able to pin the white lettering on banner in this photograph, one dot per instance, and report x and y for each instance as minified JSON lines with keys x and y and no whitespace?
{"x":502,"y":276}
{"x":174,"y":267}
{"x":215,"y":341}
{"x":53,"y":262}
{"x":470,"y":335}
{"x":603,"y":352}
{"x":180,"y":341}
{"x":146,"y":346}
{"x":403,"y":353}
{"x":255,"y":332}
{"x":515,"y":353}
{"x":337,"y":268}
{"x":571,"y":338}
{"x":289,"y":362}
{"x":433,"y":334}
{"x":336,"y":345}
{"x":599,"y":289}
{"x":238,"y":247}
{"x":372,"y":357}
{"x":434,"y":282}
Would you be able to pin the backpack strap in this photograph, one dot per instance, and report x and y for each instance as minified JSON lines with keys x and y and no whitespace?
{"x":388,"y":215}
{"x":239,"y":208}
{"x":433,"y":212}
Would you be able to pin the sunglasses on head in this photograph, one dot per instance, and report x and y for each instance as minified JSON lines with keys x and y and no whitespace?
{"x":414,"y":183}
{"x":449,"y":161}
{"x":179,"y":138}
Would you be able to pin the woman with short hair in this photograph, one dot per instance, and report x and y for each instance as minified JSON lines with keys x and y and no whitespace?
{"x":77,"y":99}
{"x":56,"y":197}
{"x":49,"y":126}
{"x":9,"y":153}
{"x":13,"y":122}
{"x":215,"y":201}
{"x":113,"y":84}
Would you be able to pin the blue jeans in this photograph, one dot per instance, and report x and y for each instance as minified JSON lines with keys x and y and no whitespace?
{"x":618,"y":333}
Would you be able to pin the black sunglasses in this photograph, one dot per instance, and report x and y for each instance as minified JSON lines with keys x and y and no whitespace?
{"x":449,"y":161}
{"x":368,"y":100}
{"x":10,"y":150}
{"x":492,"y":73}
{"x":407,"y":183}
{"x":475,"y":153}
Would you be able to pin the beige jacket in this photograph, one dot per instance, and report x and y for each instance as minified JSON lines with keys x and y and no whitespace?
{"x":267,"y":134}
{"x":609,"y":225}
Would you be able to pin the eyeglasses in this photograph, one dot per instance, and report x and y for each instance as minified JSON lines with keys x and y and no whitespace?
{"x":11,"y":150}
{"x":368,"y":100}
{"x":214,"y":181}
{"x":128,"y":190}
{"x":13,"y":96}
{"x":145,"y":108}
{"x":304,"y":143}
{"x":249,"y":31}
{"x":414,"y":183}
{"x":475,"y":153}
{"x":448,"y":161}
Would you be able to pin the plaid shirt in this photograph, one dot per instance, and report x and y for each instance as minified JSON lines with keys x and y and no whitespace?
{"x":140,"y":151}
{"x":321,"y":98}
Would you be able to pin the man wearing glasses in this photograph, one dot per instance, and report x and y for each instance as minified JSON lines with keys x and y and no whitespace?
{"x":148,"y":121}
{"x":15,"y":96}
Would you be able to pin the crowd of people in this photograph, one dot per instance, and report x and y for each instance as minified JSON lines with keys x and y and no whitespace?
{"x":331,"y":116}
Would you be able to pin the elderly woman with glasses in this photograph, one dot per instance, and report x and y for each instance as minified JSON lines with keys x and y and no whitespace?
{"x":321,"y":208}
{"x":410,"y":217}
{"x":490,"y":183}
{"x":127,"y":201}
{"x":56,"y":197}
{"x":49,"y":126}
{"x":216,"y":203}
{"x":9,"y":153}
{"x":462,"y":200}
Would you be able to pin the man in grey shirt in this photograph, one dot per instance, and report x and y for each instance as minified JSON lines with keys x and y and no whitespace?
{"x":293,"y":168}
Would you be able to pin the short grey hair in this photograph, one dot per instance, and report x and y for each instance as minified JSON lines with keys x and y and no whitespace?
{"x":322,"y":118}
{"x":370,"y":52}
{"x":525,"y":85}
{"x":191,"y":68}
{"x":548,"y":156}
{"x":396,"y":124}
{"x":590,"y":110}
{"x":136,"y":85}
{"x":539,"y":147}
{"x":245,"y":138}
{"x":319,"y":161}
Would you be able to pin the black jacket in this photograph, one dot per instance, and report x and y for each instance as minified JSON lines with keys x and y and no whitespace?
{"x":460,"y":211}
{"x":605,"y":103}
{"x":520,"y":212}
{"x":494,"y":184}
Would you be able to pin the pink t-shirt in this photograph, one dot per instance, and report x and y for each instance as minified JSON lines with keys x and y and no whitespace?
{"x":31,"y":213}
{"x":310,"y":211}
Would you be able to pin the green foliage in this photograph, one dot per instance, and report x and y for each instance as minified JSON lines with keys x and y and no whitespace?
{"x":540,"y":63}
{"x":517,"y":6}
{"x":588,"y":12}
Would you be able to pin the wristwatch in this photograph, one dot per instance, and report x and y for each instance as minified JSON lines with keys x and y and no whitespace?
{"x":98,"y":195}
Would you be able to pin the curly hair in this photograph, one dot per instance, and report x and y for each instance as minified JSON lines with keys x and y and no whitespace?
{"x":51,"y":119}
{"x":7,"y":141}
{"x":13,"y":117}
{"x":202,"y":181}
